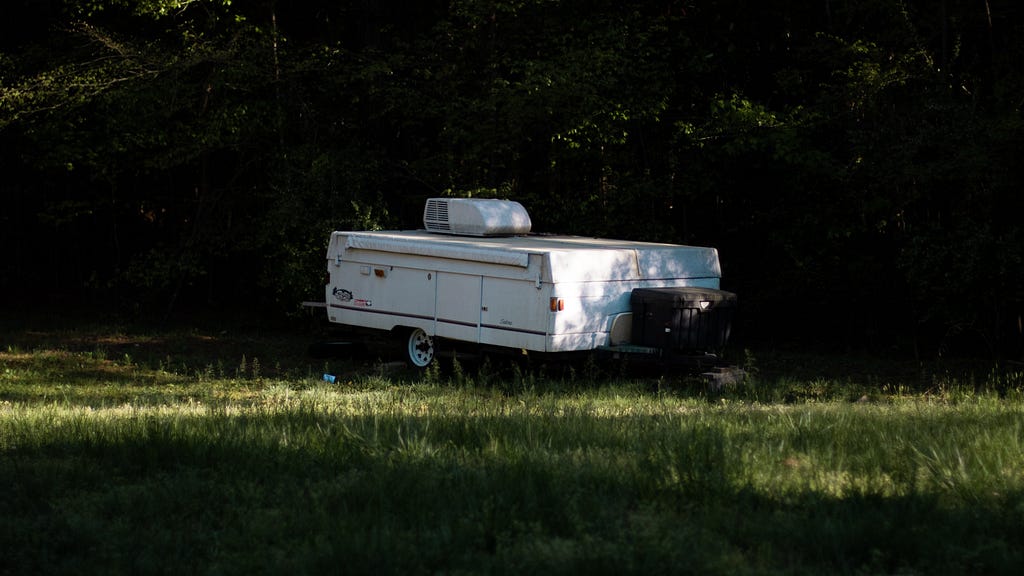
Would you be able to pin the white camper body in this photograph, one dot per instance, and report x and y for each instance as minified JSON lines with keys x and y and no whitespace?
{"x":529,"y":292}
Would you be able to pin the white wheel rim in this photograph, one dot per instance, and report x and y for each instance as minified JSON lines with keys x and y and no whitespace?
{"x":421,"y":348}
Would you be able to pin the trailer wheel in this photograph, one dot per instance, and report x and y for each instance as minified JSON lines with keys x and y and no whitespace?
{"x":419,"y":348}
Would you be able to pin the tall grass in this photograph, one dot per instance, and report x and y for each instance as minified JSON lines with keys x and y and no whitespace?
{"x":114,"y":466}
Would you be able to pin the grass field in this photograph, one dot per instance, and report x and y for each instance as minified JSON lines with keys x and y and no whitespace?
{"x":191,"y":452}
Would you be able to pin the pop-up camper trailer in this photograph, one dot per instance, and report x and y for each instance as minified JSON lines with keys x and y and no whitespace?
{"x":477,"y":277}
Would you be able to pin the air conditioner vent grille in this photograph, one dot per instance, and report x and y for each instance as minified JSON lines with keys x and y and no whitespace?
{"x":435,"y":216}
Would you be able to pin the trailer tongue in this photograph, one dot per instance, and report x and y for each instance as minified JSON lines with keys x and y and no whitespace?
{"x":476,"y":277}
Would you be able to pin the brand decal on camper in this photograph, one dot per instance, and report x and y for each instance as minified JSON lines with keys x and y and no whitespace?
{"x":361,"y":302}
{"x":342,"y":294}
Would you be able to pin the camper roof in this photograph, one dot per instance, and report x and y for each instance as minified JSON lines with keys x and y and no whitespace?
{"x":570,"y":257}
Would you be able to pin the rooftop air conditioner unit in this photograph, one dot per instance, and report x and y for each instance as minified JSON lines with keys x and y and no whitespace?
{"x":475,"y":217}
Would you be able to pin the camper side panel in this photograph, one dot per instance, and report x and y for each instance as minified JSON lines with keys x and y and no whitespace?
{"x":381,"y":297}
{"x":458,"y":306}
{"x":444,"y":296}
{"x":515,"y":313}
{"x":583,"y":323}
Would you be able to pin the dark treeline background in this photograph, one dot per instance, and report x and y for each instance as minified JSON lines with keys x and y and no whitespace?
{"x":856,"y":162}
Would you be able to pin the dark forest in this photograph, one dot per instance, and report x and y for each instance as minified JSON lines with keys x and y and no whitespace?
{"x":856,"y":163}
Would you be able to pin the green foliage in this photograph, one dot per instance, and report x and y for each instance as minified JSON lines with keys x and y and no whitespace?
{"x":196,"y":148}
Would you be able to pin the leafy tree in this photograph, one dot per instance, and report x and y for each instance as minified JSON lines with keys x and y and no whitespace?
{"x":855,"y":159}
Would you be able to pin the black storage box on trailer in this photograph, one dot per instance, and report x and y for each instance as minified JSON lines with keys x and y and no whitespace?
{"x":682,"y":319}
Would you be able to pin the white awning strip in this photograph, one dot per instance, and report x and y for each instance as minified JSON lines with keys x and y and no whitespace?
{"x":407,"y":246}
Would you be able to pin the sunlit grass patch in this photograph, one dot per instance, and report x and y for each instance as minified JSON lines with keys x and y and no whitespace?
{"x":204,"y":466}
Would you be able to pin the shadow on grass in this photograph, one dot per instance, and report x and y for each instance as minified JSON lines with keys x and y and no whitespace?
{"x":308,"y":493}
{"x":185,"y":352}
